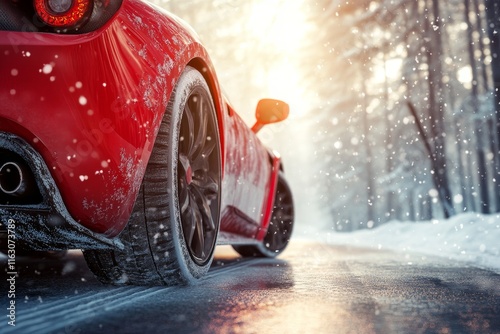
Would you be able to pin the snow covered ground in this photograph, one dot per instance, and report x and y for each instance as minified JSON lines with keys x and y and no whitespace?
{"x":468,"y":237}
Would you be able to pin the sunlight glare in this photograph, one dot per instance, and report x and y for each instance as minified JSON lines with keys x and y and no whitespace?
{"x":464,"y":75}
{"x":280,"y":28}
{"x":392,"y":70}
{"x":284,"y":84}
{"x":280,"y":25}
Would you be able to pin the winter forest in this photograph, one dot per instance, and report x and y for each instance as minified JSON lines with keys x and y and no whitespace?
{"x":392,"y":101}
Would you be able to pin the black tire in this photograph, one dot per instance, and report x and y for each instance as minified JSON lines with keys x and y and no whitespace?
{"x":280,"y":228}
{"x":172,"y":232}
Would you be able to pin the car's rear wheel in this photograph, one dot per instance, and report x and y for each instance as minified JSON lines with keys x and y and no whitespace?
{"x":280,"y":227}
{"x":172,"y":232}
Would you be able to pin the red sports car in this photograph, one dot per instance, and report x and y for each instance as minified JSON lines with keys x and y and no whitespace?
{"x":115,"y":138}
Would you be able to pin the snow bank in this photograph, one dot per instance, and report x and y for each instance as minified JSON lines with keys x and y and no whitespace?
{"x":468,"y":237}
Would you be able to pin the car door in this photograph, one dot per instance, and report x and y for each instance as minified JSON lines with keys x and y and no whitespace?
{"x":246,"y":179}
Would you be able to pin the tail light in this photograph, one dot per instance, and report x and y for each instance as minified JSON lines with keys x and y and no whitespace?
{"x":63,"y":14}
{"x":56,"y":16}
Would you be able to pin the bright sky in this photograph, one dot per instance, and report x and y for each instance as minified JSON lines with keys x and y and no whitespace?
{"x":282,"y":27}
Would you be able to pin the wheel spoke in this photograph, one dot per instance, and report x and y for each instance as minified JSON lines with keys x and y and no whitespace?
{"x":199,"y":243}
{"x":200,"y":138}
{"x":202,"y":160}
{"x":188,"y":225}
{"x":183,"y":196}
{"x":184,"y":160}
{"x":190,"y":129}
{"x":208,"y":187}
{"x":208,"y":148}
{"x":199,"y":176}
{"x":203,"y":205}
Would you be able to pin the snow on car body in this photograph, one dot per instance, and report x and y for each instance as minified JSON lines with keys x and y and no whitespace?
{"x":82,"y":108}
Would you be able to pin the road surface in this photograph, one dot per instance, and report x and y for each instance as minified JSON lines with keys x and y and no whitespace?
{"x":311,"y":288}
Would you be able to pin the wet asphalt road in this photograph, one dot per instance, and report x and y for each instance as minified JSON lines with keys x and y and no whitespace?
{"x":311,"y":288}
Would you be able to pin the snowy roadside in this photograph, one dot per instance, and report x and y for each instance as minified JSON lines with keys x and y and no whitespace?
{"x":470,"y":237}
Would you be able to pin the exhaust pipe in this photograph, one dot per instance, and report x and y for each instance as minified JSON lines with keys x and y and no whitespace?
{"x":13,"y":179}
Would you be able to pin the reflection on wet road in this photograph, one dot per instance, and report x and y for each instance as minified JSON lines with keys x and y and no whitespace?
{"x":312,"y":288}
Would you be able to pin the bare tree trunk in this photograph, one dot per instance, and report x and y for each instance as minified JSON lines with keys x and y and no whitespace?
{"x":493,"y":140}
{"x":389,"y":145}
{"x":492,"y":8}
{"x":411,"y":203}
{"x":479,"y":143}
{"x":470,"y":170}
{"x":468,"y":202}
{"x":447,"y":210}
{"x":425,"y":208}
{"x":369,"y":160}
{"x":453,"y":97}
{"x":493,"y":149}
{"x":436,"y":108}
{"x":482,"y":58}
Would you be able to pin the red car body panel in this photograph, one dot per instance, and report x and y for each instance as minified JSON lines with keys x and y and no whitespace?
{"x":247,"y":174}
{"x":91,"y":106}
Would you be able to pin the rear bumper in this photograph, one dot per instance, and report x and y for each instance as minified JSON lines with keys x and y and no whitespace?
{"x":45,"y":224}
{"x":90,"y":106}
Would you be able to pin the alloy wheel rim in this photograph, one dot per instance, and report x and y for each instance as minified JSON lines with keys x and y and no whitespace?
{"x":199,"y":176}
